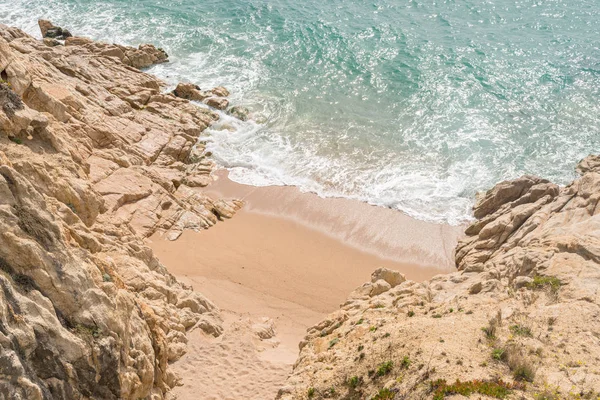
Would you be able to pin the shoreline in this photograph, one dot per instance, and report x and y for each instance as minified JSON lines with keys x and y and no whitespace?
{"x":290,"y":258}
{"x":316,"y":247}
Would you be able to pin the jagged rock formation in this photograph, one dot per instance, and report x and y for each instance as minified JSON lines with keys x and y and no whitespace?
{"x":93,"y":158}
{"x":521,"y":315}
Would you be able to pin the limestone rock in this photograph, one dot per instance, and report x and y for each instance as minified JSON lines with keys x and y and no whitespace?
{"x":217,"y":102}
{"x":93,"y":159}
{"x":220,"y":91}
{"x":190,"y":92}
{"x":393,"y":278}
{"x":53,"y":32}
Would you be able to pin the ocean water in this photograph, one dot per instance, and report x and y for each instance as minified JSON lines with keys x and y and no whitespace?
{"x":409,"y":104}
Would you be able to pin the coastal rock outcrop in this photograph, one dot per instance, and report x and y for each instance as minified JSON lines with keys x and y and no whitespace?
{"x":93,"y":159}
{"x":519,"y":318}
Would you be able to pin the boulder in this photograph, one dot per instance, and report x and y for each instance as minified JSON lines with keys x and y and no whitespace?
{"x":393,"y":278}
{"x":239,"y":112}
{"x":219,"y":91}
{"x":53,"y":32}
{"x":190,"y":91}
{"x":217,"y":102}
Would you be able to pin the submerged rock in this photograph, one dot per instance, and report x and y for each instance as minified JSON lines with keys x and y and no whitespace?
{"x":239,"y":112}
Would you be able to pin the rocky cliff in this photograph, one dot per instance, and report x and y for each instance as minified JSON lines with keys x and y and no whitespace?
{"x":94,"y":157}
{"x":519,"y":319}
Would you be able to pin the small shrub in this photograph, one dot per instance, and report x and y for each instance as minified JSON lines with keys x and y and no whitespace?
{"x":405,"y":363}
{"x":106,"y":278}
{"x":15,"y":140}
{"x":311,"y":392}
{"x":411,"y":313}
{"x":521,"y":330}
{"x":360,"y":347}
{"x":85,"y":330}
{"x":384,"y":394}
{"x":521,"y":367}
{"x":333,"y":342}
{"x":386,"y":335}
{"x":372,"y":329}
{"x":493,"y":324}
{"x":360,"y":321}
{"x":361,"y":356}
{"x":499,"y":354}
{"x":436,"y":316}
{"x":550,"y":283}
{"x":354,"y":382}
{"x":385,"y":368}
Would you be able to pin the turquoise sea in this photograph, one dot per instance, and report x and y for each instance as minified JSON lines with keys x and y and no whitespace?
{"x":410,"y":104}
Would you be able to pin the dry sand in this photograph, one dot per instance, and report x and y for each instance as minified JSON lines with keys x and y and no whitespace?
{"x":292,"y":257}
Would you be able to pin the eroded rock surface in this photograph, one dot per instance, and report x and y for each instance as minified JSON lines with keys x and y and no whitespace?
{"x":93,"y":159}
{"x":521,"y":313}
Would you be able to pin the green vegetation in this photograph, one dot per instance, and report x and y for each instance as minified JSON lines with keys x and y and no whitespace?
{"x":85,"y":330}
{"x":521,"y":368}
{"x":372,"y":329}
{"x":384,"y":394}
{"x":498,"y":389}
{"x":15,"y":140}
{"x":411,"y":313}
{"x":521,"y":330}
{"x":540,"y":282}
{"x":405,"y":363}
{"x":436,"y":316}
{"x":106,"y":278}
{"x":499,"y":354}
{"x":385,"y":368}
{"x":360,"y":321}
{"x":354,"y":382}
{"x":333,"y":342}
{"x":311,"y":392}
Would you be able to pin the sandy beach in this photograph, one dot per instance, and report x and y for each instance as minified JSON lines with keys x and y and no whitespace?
{"x":291,"y":257}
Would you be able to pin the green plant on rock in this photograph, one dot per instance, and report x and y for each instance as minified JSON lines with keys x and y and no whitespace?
{"x":499,"y":354}
{"x":550,"y":283}
{"x":521,"y":367}
{"x":497,"y":389}
{"x":384,"y":394}
{"x":385,"y":368}
{"x":354,"y":382}
{"x":521,"y":330}
{"x":405,"y":363}
{"x":85,"y":330}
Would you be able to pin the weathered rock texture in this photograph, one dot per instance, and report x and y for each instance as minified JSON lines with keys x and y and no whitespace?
{"x":93,"y":158}
{"x":523,"y":307}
